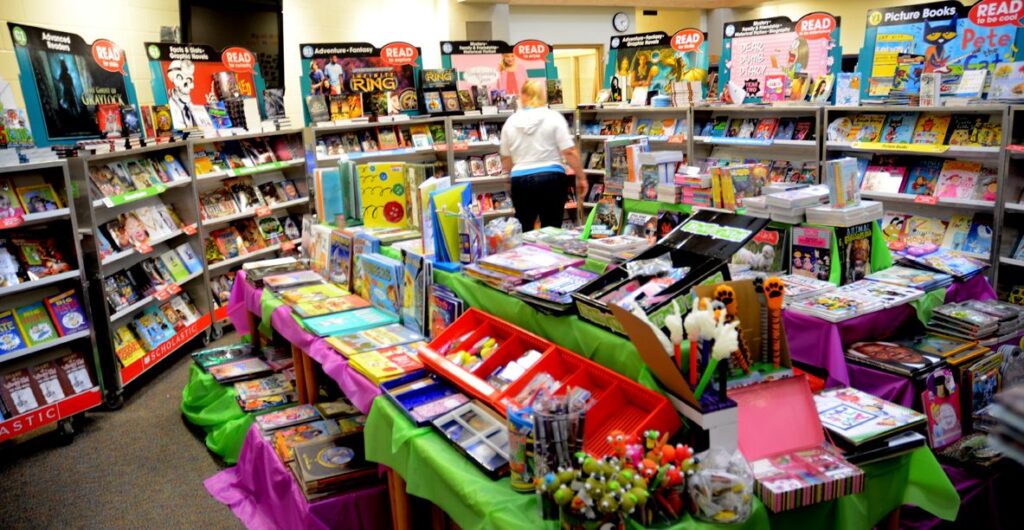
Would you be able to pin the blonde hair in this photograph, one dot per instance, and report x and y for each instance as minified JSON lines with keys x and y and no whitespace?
{"x":532,"y":94}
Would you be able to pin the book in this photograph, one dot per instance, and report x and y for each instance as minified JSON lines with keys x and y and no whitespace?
{"x":333,"y":463}
{"x":884,"y":179}
{"x":245,"y":368}
{"x":886,"y":294}
{"x":47,"y":380}
{"x":923,"y":177}
{"x":811,"y":252}
{"x":765,"y":252}
{"x":278,"y":419}
{"x":924,"y":232}
{"x":373,"y":339}
{"x":416,"y":281}
{"x":382,"y":278}
{"x":316,"y":106}
{"x":19,"y":392}
{"x":892,"y":356}
{"x":979,"y":237}
{"x":189,"y":258}
{"x":126,"y":346}
{"x":152,"y":328}
{"x":287,"y":438}
{"x":558,"y":287}
{"x":963,"y":130}
{"x":836,"y":306}
{"x":958,"y":179}
{"x":1007,"y":82}
{"x":866,"y":128}
{"x":385,"y":364}
{"x":67,"y":313}
{"x":262,"y":387}
{"x":76,"y":372}
{"x":349,"y":321}
{"x":853,"y":244}
{"x":34,"y":323}
{"x":221,"y":355}
{"x":910,"y":277}
{"x":10,"y":205}
{"x":857,"y":417}
{"x":931,"y":129}
{"x":38,"y":198}
{"x":11,"y":338}
{"x":841,"y":178}
{"x":899,"y":127}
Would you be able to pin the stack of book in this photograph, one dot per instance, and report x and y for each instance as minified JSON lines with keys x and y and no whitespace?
{"x":330,"y":418}
{"x":694,"y":188}
{"x":977,"y":320}
{"x":567,"y":241}
{"x":554,"y":293}
{"x":836,"y":306}
{"x":320,"y":299}
{"x":887,"y":294}
{"x":789,"y":206}
{"x":866,"y":428}
{"x":43,"y":384}
{"x":799,"y":287}
{"x":519,"y":265}
{"x":865,"y":212}
{"x":912,"y":277}
{"x":617,"y":248}
{"x":955,"y":263}
{"x":264,"y":393}
{"x":332,"y":464}
{"x":1007,"y":435}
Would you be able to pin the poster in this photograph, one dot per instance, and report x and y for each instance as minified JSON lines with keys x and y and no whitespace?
{"x":63,"y":79}
{"x":190,"y":76}
{"x":949,"y":37}
{"x":753,"y":50}
{"x":655,"y":60}
{"x":497,"y":66}
{"x":385,"y":77}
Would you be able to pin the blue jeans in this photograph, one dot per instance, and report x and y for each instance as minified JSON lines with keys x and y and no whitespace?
{"x":540,"y":195}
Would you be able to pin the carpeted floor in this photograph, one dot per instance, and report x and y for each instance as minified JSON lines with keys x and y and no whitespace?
{"x":138,"y":467}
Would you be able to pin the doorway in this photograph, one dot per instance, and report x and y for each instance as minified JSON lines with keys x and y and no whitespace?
{"x":579,"y":68}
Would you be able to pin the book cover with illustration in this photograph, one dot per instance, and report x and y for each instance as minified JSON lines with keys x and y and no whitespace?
{"x":383,"y":195}
{"x":811,"y":252}
{"x":963,"y":130}
{"x":67,"y":313}
{"x":11,"y":338}
{"x":349,"y":321}
{"x":854,"y":245}
{"x":373,"y":339}
{"x":858,"y":417}
{"x":417,"y":276}
{"x":979,"y":237}
{"x":883,"y":179}
{"x":925,"y":231}
{"x":923,"y":177}
{"x":766,"y":251}
{"x":382,"y":280}
{"x":866,"y":128}
{"x":894,"y":230}
{"x":957,"y":230}
{"x":931,"y":129}
{"x":958,"y":179}
{"x":899,"y":127}
{"x":34,"y":323}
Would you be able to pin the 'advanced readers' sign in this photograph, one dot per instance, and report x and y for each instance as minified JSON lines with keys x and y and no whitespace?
{"x":753,"y":50}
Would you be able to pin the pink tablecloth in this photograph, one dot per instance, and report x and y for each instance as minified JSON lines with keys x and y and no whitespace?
{"x":244,"y":299}
{"x":263,"y":494}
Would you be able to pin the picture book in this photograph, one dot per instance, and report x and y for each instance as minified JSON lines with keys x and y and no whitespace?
{"x":383,"y":193}
{"x":893,"y":356}
{"x":765,"y":252}
{"x":909,"y":277}
{"x":1007,"y":82}
{"x":887,"y":294}
{"x":349,"y":321}
{"x":979,"y":237}
{"x":951,"y":262}
{"x":221,"y":355}
{"x":126,"y":346}
{"x":39,"y":198}
{"x":963,"y":130}
{"x":941,"y":404}
{"x":445,"y":307}
{"x":76,"y":372}
{"x":719,"y":126}
{"x":528,"y":262}
{"x":766,"y":129}
{"x":67,"y":313}
{"x":373,"y":339}
{"x":925,"y":231}
{"x":34,"y":323}
{"x":988,"y":184}
{"x":278,"y":419}
{"x":286,"y":439}
{"x":854,"y":246}
{"x":245,"y":368}
{"x":931,"y":129}
{"x":388,"y":363}
{"x":417,"y":276}
{"x":10,"y":205}
{"x":957,"y":179}
{"x":811,"y":252}
{"x":152,"y":328}
{"x":263,"y":387}
{"x":866,"y":128}
{"x":558,"y":287}
{"x":11,"y":338}
{"x":848,"y":89}
{"x":382,"y":280}
{"x":316,"y":306}
{"x":841,"y":176}
{"x":923,"y":177}
{"x":899,"y":127}
{"x":640,"y":225}
{"x":47,"y":379}
{"x":858,"y":417}
{"x":609,"y":212}
{"x":332,"y":462}
{"x":189,"y":258}
{"x":18,"y":391}
{"x":884,"y":179}
{"x":957,"y":231}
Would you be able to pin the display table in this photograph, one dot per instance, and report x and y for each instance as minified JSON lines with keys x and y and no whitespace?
{"x":262,"y":493}
{"x":818,"y":343}
{"x":212,"y":406}
{"x":436,"y":471}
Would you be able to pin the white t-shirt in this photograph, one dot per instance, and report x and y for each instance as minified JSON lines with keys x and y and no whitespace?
{"x":535,"y":138}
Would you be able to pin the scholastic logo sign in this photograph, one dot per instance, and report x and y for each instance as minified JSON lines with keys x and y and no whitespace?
{"x":108,"y":55}
{"x":816,"y":26}
{"x":995,"y":13}
{"x":399,"y":54}
{"x":238,"y":60}
{"x":531,"y":50}
{"x":687,"y":40}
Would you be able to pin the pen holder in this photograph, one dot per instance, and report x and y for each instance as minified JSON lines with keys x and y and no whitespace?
{"x":520,"y":450}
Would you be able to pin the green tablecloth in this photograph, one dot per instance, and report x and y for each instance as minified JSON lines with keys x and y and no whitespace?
{"x":212,"y":406}
{"x":435,"y":470}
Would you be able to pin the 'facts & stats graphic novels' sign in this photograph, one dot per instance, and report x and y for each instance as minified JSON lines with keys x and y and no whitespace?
{"x":655,"y":60}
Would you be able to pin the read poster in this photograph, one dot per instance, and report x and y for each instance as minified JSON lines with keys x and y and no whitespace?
{"x":64,"y":78}
{"x":186,"y":76}
{"x":755,"y":49}
{"x":362,"y":68}
{"x":949,"y":36}
{"x":497,"y":65}
{"x":655,"y":60}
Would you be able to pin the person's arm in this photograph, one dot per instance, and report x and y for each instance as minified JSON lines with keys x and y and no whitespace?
{"x":506,"y":165}
{"x":572,"y":157}
{"x":504,"y":151}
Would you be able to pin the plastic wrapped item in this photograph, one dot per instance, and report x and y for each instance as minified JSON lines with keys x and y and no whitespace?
{"x":650,"y":267}
{"x":721,"y":489}
{"x":503,"y":234}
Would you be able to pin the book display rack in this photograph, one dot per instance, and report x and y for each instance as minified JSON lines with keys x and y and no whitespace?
{"x":1009,"y":252}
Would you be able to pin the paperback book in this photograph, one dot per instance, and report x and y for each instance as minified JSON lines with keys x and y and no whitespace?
{"x":857,"y":417}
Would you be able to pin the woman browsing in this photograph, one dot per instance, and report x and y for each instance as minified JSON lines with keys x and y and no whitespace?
{"x":534,"y":141}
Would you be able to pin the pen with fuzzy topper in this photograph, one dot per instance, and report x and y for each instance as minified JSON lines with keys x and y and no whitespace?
{"x":726,"y":339}
{"x":704,"y":322}
{"x":762,"y":309}
{"x":774,"y":290}
{"x":674,"y":324}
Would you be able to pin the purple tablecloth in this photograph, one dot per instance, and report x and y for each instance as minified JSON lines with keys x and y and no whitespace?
{"x":239,"y":304}
{"x":263,"y":494}
{"x":356,"y":387}
{"x":981,"y":496}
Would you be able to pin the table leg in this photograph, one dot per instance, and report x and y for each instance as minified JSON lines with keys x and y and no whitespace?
{"x":300,"y":375}
{"x":254,"y":331}
{"x":310,"y":378}
{"x":892,"y":520}
{"x":437,"y":518}
{"x":401,"y":519}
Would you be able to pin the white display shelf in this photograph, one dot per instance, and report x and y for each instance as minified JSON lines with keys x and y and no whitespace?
{"x":59,"y":341}
{"x":952,"y":151}
{"x":102,"y":203}
{"x":255,"y":170}
{"x":711,"y":140}
{"x":483,"y":180}
{"x":1006,"y":260}
{"x":500,"y":213}
{"x":1014,"y":207}
{"x":962,"y":204}
{"x":596,"y":172}
{"x":118,"y":256}
{"x":396,"y":154}
{"x":251,"y":212}
{"x":44,"y":217}
{"x":35,"y":284}
{"x":357,"y":126}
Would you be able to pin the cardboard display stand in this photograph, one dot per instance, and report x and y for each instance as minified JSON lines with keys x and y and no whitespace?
{"x":64,"y":79}
{"x":754,"y":51}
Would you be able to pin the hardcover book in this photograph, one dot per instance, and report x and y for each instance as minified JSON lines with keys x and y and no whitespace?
{"x":958,"y":179}
{"x":287,"y":438}
{"x":931,"y":129}
{"x":899,"y":127}
{"x":220,"y":355}
{"x":811,"y":252}
{"x":263,"y":387}
{"x":382,"y":279}
{"x":241,"y":369}
{"x":892,"y":356}
{"x":47,"y":379}
{"x":34,"y":323}
{"x":18,"y":391}
{"x":858,"y":417}
{"x":333,"y":463}
{"x":67,"y":313}
{"x":924,"y":175}
{"x":271,"y":421}
{"x":349,"y":321}
{"x":373,"y":339}
{"x":11,"y":338}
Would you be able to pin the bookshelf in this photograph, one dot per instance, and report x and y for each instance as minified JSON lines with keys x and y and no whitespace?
{"x":1010,"y":211}
{"x":991,"y":157}
{"x":141,"y":261}
{"x":477,"y":162}
{"x":16,"y":231}
{"x":282,"y":190}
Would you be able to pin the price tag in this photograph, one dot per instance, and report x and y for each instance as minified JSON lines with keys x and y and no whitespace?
{"x":163,"y":294}
{"x":144,"y":248}
{"x":926,"y":199}
{"x":189,"y":229}
{"x":676,"y":139}
{"x":11,"y":222}
{"x":262,"y":211}
{"x":174,"y":288}
{"x":287,"y":246}
{"x":440,"y":147}
{"x":460,"y":146}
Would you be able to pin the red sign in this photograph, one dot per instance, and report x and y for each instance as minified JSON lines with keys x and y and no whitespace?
{"x":767,"y":236}
{"x":816,"y":26}
{"x":399,"y":54}
{"x":238,"y":59}
{"x":108,"y":56}
{"x":440,"y":147}
{"x":287,"y":246}
{"x":187,"y":333}
{"x":460,"y":146}
{"x":687,"y":40}
{"x":144,"y":248}
{"x":189,"y":229}
{"x":11,"y":222}
{"x":926,"y":199}
{"x":995,"y":13}
{"x":263,"y":211}
{"x":676,"y":139}
{"x":531,"y":50}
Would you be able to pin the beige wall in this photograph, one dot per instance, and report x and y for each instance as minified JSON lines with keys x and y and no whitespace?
{"x":129,"y":23}
{"x":669,"y":20}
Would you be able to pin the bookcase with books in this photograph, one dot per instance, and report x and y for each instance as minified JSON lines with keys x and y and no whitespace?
{"x":142,"y":249}
{"x":48,"y":365}
{"x":937,"y":170}
{"x":664,"y":129}
{"x":252,"y":192}
{"x":474,"y":159}
{"x":1010,"y":250}
{"x":780,"y":142}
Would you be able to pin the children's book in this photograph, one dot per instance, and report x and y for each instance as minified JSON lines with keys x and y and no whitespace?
{"x":35,"y":324}
{"x":931,"y":129}
{"x":528,"y":262}
{"x":152,"y":328}
{"x":1007,"y":82}
{"x":909,"y":277}
{"x":988,"y":184}
{"x":263,"y":387}
{"x":923,"y":177}
{"x":189,"y":258}
{"x":848,"y":89}
{"x":382,"y":365}
{"x":958,"y":179}
{"x":18,"y":391}
{"x":221,"y":355}
{"x":373,"y":339}
{"x":979,"y":238}
{"x":841,"y":176}
{"x":558,"y":287}
{"x":766,"y":129}
{"x":925,"y":231}
{"x":858,"y":417}
{"x":382,"y":280}
{"x":47,"y":378}
{"x":866,"y":128}
{"x":416,"y":280}
{"x":963,"y":129}
{"x":853,"y":244}
{"x":719,"y":126}
{"x":11,"y":338}
{"x":811,"y":252}
{"x":286,"y":439}
{"x":317,"y":306}
{"x":957,"y":231}
{"x":39,"y":198}
{"x":10,"y":206}
{"x":67,"y":313}
{"x":383,"y":193}
{"x":278,"y":419}
{"x":126,"y":346}
{"x":349,"y":321}
{"x":899,"y":127}
{"x":774,"y":88}
{"x":766,"y":251}
{"x":445,"y":307}
{"x":246,"y":368}
{"x":884,"y":179}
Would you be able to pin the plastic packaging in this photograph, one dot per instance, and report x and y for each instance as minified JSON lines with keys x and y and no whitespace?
{"x":721,"y":489}
{"x":650,"y":267}
{"x":503,"y":234}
